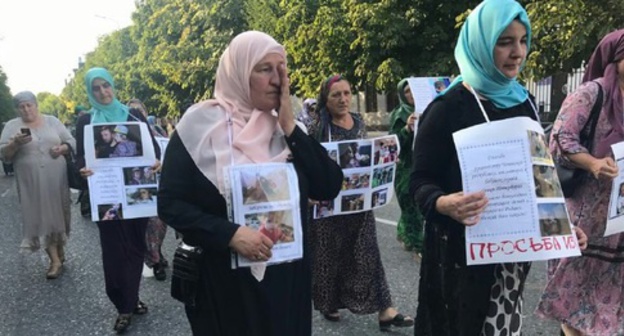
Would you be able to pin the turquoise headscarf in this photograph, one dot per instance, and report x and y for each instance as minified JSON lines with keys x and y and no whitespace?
{"x":474,"y":52}
{"x":113,"y":112}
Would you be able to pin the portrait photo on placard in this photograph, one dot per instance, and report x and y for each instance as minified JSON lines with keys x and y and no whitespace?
{"x":354,"y":154}
{"x":107,"y":212}
{"x":379,"y":198}
{"x":383,"y":175}
{"x":324,"y":209}
{"x":266,"y":185}
{"x":546,"y":183}
{"x":356,"y":181}
{"x":115,"y":141}
{"x":617,"y":209}
{"x":539,"y":149}
{"x":276,"y":225}
{"x":141,"y":196}
{"x":553,"y":219}
{"x":134,"y":176}
{"x":386,"y":150}
{"x":352,"y":202}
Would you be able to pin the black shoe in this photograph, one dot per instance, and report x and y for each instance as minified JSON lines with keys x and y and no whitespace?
{"x":122,"y":323}
{"x":159,"y":272}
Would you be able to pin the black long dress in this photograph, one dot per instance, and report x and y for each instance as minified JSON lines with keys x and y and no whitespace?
{"x":122,"y":241}
{"x":232,"y":302}
{"x":454,"y":299}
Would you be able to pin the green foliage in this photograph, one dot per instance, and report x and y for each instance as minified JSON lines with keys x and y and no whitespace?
{"x":53,"y":105}
{"x":7,"y":110}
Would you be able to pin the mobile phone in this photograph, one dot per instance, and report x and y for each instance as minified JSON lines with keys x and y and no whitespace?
{"x":25,"y":130}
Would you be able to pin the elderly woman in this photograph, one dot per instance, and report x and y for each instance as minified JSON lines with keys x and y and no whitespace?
{"x":402,"y":120}
{"x":35,"y":144}
{"x":251,"y":86}
{"x":348,"y":272}
{"x":586,"y":294}
{"x":122,"y":241}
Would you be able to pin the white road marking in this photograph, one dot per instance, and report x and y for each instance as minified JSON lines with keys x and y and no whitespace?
{"x":6,"y":193}
{"x":385,"y":221}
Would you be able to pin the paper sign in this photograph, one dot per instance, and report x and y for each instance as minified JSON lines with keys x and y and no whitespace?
{"x":615,"y":218}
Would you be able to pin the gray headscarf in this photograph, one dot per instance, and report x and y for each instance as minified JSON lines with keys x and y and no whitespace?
{"x":24,"y":96}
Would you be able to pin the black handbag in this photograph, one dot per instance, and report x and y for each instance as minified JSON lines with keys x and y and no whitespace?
{"x":73,"y":172}
{"x":185,"y":274}
{"x":572,"y":178}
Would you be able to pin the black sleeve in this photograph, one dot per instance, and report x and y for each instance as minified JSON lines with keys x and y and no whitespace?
{"x":431,"y":157}
{"x":141,"y":117}
{"x":323,"y":173}
{"x":190,"y":203}
{"x":80,"y":124}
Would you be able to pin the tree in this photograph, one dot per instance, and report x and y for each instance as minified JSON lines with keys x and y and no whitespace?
{"x":52,"y":105}
{"x":7,"y":110}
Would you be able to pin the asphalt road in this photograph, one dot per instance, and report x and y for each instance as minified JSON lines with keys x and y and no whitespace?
{"x":76,"y":303}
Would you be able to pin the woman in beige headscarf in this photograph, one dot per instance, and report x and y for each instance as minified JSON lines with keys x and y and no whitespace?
{"x":251,"y":85}
{"x":35,"y":144}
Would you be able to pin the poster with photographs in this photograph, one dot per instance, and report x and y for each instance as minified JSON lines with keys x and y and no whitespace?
{"x":123,"y":184}
{"x":423,"y":91}
{"x":369,"y":168}
{"x":615,"y":218}
{"x":526,"y":218}
{"x":265,"y":197}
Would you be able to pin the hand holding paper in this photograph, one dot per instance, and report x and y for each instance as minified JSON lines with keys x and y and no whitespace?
{"x":251,"y":244}
{"x":581,"y":237}
{"x":411,"y":122}
{"x":464,"y":208}
{"x":604,"y":167}
{"x":156,"y":166}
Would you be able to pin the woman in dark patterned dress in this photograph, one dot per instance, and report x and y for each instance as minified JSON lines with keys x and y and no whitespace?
{"x":347,"y":270}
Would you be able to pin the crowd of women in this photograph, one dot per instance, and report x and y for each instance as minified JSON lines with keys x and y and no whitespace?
{"x":250,"y":120}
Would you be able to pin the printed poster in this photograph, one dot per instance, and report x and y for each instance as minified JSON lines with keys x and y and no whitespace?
{"x":369,"y":168}
{"x":424,"y":90}
{"x":615,"y":220}
{"x":265,"y":197}
{"x":162,"y":143}
{"x":123,"y":185}
{"x":526,"y":218}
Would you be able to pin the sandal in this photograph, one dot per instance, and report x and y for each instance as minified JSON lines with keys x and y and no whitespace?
{"x":398,"y":321}
{"x":122,"y":323}
{"x":333,"y":316}
{"x":141,"y":308}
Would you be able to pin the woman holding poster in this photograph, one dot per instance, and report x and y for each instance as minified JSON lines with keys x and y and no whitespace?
{"x":585,"y":293}
{"x":344,"y":248}
{"x":241,"y":125}
{"x":456,"y":299}
{"x":402,"y":123}
{"x":122,"y":240}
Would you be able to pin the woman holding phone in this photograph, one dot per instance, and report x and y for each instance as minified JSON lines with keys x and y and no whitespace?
{"x":35,"y":145}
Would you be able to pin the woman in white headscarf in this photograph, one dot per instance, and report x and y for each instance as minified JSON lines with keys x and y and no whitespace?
{"x":251,"y":86}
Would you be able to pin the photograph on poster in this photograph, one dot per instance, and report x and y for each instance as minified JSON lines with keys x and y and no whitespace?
{"x":553,"y":219}
{"x":546,"y":185}
{"x":539,"y":149}
{"x":333,"y":154}
{"x":356,"y":181}
{"x":385,"y":150}
{"x":379,"y":198}
{"x":619,"y":203}
{"x":139,"y":196}
{"x":355,"y":154}
{"x":352,"y":202}
{"x":265,"y":186}
{"x":277,"y":225}
{"x":108,"y":212}
{"x":382,"y":175}
{"x":114,"y":141}
{"x":324,"y":209}
{"x":139,"y":176}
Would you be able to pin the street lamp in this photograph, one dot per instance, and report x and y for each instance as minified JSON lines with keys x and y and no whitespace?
{"x":109,"y":19}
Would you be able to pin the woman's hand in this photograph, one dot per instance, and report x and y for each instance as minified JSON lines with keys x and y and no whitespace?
{"x":251,"y":244}
{"x":22,"y":139}
{"x":411,"y":122}
{"x":85,"y":172}
{"x":581,"y":237}
{"x":605,"y":167}
{"x":286,"y":117}
{"x":57,"y":151}
{"x":464,"y":208}
{"x":156,"y":166}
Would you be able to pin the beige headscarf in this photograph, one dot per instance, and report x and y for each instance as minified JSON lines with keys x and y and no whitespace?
{"x":256,"y":135}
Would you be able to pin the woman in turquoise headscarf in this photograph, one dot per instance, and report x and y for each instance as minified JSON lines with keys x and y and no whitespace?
{"x":402,"y":120}
{"x":122,"y":240}
{"x":456,"y":299}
